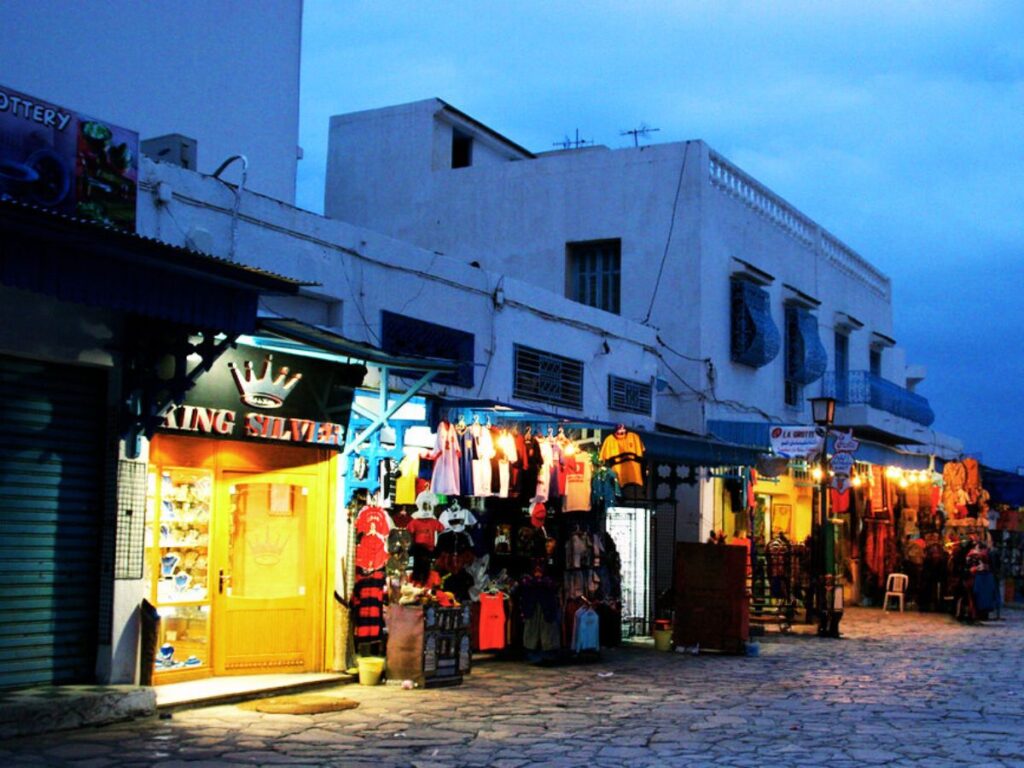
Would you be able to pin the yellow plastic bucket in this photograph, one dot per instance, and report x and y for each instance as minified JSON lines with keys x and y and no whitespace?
{"x":663,"y":639}
{"x":371,"y":668}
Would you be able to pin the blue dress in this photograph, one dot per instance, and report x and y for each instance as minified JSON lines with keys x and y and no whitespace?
{"x":467,"y":446}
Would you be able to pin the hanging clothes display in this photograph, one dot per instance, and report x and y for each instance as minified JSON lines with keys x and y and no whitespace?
{"x":484,"y":462}
{"x":446,"y":456}
{"x":467,"y":459}
{"x":492,"y":621}
{"x":586,"y":630}
{"x":623,"y":451}
{"x":408,"y":471}
{"x":578,"y":473}
{"x":368,"y":606}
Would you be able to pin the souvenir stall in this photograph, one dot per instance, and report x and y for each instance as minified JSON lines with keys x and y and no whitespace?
{"x":886,"y":520}
{"x":483,"y":530}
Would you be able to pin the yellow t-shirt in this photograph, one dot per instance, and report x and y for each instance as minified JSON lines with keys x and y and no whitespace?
{"x":405,"y":486}
{"x":628,"y":469}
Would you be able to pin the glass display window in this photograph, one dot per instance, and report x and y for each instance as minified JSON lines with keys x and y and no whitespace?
{"x":182,"y":533}
{"x":177,"y":568}
{"x":184,"y":640}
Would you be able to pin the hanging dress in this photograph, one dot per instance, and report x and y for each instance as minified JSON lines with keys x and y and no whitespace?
{"x":446,"y":454}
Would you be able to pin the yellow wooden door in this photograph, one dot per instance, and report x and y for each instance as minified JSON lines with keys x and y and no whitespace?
{"x":267,"y":582}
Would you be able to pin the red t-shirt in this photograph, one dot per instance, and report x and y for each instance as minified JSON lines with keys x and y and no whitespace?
{"x":371,"y":552}
{"x":372,"y":519}
{"x":424,"y":530}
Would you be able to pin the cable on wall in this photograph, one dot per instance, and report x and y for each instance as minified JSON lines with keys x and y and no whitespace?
{"x":671,"y":229}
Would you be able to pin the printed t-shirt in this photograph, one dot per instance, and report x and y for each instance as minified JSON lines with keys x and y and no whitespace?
{"x":578,"y":472}
{"x":424,"y":530}
{"x":373,"y":520}
{"x":623,"y":454}
{"x":371,"y":552}
{"x":457,"y":519}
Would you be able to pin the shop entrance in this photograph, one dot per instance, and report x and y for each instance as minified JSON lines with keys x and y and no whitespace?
{"x":238,"y":557}
{"x":267,"y":588}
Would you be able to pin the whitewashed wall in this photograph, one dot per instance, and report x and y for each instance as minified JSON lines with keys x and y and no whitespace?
{"x":367,"y":272}
{"x":679,"y":209}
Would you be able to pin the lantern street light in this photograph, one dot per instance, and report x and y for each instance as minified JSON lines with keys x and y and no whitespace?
{"x":828,"y":596}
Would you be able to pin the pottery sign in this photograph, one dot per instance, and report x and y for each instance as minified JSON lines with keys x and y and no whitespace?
{"x":55,"y":158}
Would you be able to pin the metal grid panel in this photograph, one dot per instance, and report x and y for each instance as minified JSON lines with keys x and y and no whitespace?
{"x":547,"y":377}
{"x":628,"y":395}
{"x":129,"y":551}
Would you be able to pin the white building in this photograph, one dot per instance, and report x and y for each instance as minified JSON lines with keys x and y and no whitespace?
{"x":659,"y":235}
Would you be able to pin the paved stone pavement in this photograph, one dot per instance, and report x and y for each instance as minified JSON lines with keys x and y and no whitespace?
{"x":908,"y":690}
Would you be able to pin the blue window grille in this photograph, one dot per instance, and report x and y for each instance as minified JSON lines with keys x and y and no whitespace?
{"x":755,"y":339}
{"x":806,"y":358}
{"x":402,"y":335}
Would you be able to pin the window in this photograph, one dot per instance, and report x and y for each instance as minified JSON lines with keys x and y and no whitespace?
{"x":593,"y":273}
{"x":629,"y":396}
{"x":876,"y":363}
{"x":462,"y":149}
{"x":401,"y":335}
{"x":806,"y":358}
{"x":842,"y":358}
{"x":754,"y":337}
{"x":547,"y":377}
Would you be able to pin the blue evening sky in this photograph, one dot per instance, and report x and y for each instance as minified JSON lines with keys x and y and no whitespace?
{"x":897,"y":125}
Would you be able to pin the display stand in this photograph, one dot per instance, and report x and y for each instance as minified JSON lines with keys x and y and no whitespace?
{"x":429,"y":646}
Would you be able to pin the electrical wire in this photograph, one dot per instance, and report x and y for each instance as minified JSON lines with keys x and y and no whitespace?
{"x":671,"y":229}
{"x":495,"y":308}
{"x":680,"y":354}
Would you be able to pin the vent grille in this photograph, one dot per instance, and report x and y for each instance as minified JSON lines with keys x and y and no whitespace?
{"x":547,"y":378}
{"x":629,"y":396}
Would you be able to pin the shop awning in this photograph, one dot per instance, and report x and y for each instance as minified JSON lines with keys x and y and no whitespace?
{"x":86,"y":263}
{"x":755,"y":434}
{"x":696,"y":450}
{"x":673,"y":448}
{"x":509,"y":412}
{"x":1003,"y":487}
{"x":334,"y":343}
{"x":305,"y":334}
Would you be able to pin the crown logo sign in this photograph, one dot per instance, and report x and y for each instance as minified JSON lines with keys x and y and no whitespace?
{"x":268,"y":549}
{"x":263,"y":391}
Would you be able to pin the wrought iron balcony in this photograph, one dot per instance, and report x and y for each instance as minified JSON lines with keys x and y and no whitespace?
{"x":865,"y":388}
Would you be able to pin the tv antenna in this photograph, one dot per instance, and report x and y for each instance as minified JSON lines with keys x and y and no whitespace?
{"x":636,"y":133}
{"x":576,"y":143}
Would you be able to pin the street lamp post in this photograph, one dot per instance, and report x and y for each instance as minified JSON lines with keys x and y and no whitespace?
{"x":827,"y":594}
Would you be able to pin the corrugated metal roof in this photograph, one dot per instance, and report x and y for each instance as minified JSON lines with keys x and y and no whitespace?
{"x":17,"y":212}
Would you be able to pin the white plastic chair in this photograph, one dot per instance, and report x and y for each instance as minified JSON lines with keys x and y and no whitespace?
{"x":895,"y":587}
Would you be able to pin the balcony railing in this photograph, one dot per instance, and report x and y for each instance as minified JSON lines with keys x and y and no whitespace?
{"x":865,"y":388}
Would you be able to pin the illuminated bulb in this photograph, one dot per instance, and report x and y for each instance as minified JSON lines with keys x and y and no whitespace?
{"x":892,"y":473}
{"x":816,"y":473}
{"x":903,"y":482}
{"x":855,"y":481}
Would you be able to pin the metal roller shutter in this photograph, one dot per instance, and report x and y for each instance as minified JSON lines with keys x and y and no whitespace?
{"x":51,"y":483}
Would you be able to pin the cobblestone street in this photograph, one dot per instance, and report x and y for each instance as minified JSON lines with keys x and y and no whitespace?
{"x":905,"y":690}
